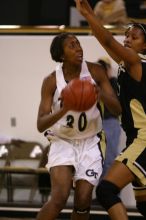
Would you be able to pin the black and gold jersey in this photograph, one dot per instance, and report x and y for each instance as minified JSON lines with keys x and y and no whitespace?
{"x":132,"y":95}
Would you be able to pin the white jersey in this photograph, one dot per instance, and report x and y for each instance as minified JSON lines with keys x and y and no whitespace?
{"x":74,"y":125}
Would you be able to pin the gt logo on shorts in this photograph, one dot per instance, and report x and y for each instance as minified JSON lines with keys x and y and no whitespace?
{"x":91,"y":173}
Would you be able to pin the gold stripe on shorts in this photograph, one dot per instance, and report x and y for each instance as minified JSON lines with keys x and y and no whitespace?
{"x":134,"y":157}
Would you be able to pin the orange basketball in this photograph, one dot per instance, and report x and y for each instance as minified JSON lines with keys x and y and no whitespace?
{"x":79,"y":95}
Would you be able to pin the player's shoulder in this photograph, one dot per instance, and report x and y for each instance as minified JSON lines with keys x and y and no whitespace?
{"x":49,"y":81}
{"x":50,"y":78}
{"x":96,"y":70}
{"x":94,"y":67}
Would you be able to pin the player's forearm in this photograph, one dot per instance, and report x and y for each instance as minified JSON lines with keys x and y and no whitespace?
{"x":46,"y":121}
{"x":102,"y":35}
{"x":112,"y":103}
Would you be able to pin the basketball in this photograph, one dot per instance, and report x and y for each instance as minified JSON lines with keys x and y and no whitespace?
{"x":79,"y":95}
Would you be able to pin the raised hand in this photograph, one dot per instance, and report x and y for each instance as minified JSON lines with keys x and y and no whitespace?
{"x":83,"y":7}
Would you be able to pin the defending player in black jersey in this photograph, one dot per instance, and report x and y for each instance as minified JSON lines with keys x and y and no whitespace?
{"x":130,"y":165}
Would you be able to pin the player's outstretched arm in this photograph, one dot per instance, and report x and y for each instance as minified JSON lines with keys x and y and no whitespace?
{"x":115,"y":49}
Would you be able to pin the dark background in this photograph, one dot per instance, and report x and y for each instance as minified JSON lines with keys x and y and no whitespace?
{"x":48,"y":12}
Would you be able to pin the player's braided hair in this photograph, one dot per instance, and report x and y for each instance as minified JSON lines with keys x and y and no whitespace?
{"x":56,"y":48}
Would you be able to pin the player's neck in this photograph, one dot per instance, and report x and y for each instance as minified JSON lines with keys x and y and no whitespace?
{"x":71,"y":72}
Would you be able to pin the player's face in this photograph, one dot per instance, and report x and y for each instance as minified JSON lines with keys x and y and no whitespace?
{"x":134,"y":38}
{"x":72,"y":50}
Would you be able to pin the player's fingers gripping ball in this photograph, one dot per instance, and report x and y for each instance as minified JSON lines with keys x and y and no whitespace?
{"x":79,"y":95}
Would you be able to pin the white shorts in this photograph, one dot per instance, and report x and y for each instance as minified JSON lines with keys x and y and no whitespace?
{"x":85,"y":155}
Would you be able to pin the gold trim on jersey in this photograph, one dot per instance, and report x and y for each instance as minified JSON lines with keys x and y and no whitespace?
{"x":139,"y":118}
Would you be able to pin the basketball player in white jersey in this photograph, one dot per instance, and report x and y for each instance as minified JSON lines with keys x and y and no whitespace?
{"x":75,"y":153}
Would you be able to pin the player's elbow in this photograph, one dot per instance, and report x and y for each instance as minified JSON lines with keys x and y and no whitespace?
{"x":118,"y":111}
{"x":40,"y":127}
